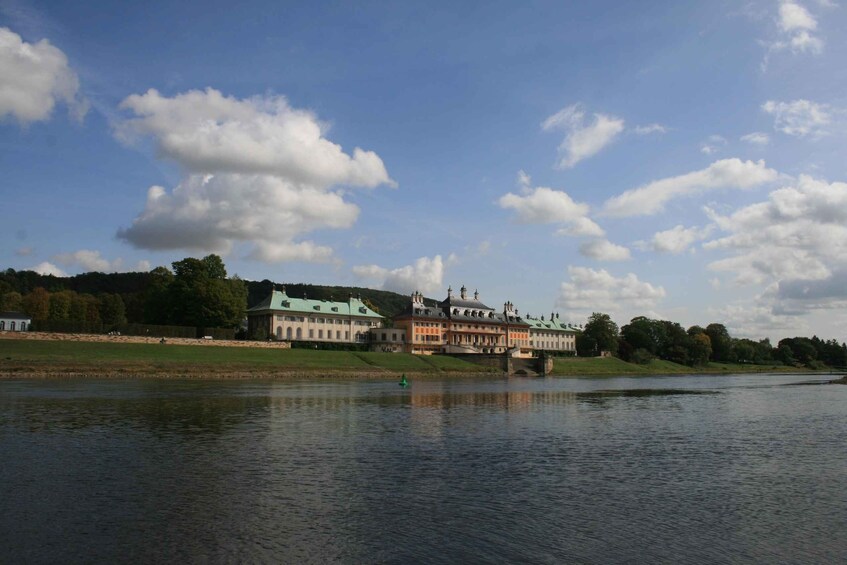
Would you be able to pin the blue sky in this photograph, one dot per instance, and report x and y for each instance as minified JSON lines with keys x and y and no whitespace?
{"x":677,"y":160}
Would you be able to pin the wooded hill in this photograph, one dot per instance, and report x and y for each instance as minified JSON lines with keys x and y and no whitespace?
{"x":194,"y":292}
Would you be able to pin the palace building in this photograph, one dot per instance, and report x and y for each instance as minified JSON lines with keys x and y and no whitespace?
{"x":551,"y":335}
{"x":302,"y":319}
{"x":462,"y":325}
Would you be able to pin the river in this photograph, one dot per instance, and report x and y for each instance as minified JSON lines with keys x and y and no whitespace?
{"x":697,"y":469}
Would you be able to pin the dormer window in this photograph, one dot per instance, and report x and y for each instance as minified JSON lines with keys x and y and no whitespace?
{"x":317,"y":306}
{"x":286,"y":304}
{"x":335,"y":308}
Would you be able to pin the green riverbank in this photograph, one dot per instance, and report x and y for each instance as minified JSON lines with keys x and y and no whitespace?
{"x":49,"y":358}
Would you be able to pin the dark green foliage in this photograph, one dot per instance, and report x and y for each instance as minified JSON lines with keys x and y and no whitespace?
{"x":721,"y":343}
{"x":604,"y":331}
{"x":641,"y":356}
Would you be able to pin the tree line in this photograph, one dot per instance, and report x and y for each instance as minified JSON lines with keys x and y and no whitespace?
{"x":644,"y":339}
{"x":192,"y":293}
{"x":195,"y":293}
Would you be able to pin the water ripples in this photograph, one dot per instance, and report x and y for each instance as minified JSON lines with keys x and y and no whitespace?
{"x":541,"y":471}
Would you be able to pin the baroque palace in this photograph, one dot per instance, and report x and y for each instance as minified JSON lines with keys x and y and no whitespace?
{"x":455,"y":325}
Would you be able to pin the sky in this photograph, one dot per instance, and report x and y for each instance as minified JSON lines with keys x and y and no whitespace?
{"x":676,"y":160}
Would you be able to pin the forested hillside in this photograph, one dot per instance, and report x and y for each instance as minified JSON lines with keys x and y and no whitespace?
{"x":192,"y":292}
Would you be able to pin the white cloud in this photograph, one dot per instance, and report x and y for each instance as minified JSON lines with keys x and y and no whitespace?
{"x":582,"y":141}
{"x":794,"y":17}
{"x":800,"y":118}
{"x":425,"y":275}
{"x":651,"y":198}
{"x":603,"y":250}
{"x":581,"y":227}
{"x":213,"y":213}
{"x":47,"y":268}
{"x":261,"y":174}
{"x":713,"y":144}
{"x":597,"y":290}
{"x":756,"y":138}
{"x":542,"y":205}
{"x":757,"y":321}
{"x":89,"y":260}
{"x":207,"y":132}
{"x":798,"y":234}
{"x":35,"y":77}
{"x":797,"y":29}
{"x":675,"y":240}
{"x":650,"y":128}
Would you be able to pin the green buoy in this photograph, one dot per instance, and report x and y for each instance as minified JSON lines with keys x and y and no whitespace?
{"x":403,"y":382}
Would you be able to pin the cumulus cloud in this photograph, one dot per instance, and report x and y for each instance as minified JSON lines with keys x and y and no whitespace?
{"x":800,"y":118}
{"x":726,"y":173}
{"x":259,"y":173}
{"x":89,"y":260}
{"x":425,"y":275}
{"x":798,"y":234}
{"x":603,"y":250}
{"x":597,"y":290}
{"x":675,"y":240}
{"x":212,"y":213}
{"x":756,"y":138}
{"x":542,"y":205}
{"x":207,"y":132}
{"x":582,"y":140}
{"x":47,"y":268}
{"x":36,"y":77}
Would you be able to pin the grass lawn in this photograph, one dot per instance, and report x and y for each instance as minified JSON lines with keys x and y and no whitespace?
{"x":611,"y":366}
{"x":42,"y":355}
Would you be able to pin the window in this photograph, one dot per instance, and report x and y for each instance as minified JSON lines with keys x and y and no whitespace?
{"x":279,"y":318}
{"x":23,"y":326}
{"x":288,"y":333}
{"x":338,"y":335}
{"x":2,"y":325}
{"x":12,"y":326}
{"x":299,"y":333}
{"x":347,"y":335}
{"x":279,"y":332}
{"x":311,"y":334}
{"x":320,"y":334}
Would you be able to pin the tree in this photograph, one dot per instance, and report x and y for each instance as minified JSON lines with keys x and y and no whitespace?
{"x":60,"y":305}
{"x":112,"y":309}
{"x":11,"y":302}
{"x":37,"y":304}
{"x":603,"y":331}
{"x":721,"y":343}
{"x":200,"y":294}
{"x":700,"y":349}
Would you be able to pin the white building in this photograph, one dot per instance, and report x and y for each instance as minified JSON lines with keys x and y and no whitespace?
{"x":14,"y":322}
{"x":301,"y":319}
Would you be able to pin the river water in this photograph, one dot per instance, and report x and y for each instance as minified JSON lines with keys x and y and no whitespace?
{"x":725,"y":469}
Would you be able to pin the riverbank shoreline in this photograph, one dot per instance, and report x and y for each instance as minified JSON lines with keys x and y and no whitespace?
{"x":34,"y":355}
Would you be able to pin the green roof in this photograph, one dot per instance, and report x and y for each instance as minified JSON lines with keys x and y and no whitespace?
{"x":279,"y":301}
{"x":554,"y":325}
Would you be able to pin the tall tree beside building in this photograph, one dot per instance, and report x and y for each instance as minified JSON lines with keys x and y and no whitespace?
{"x":201,"y":294}
{"x":11,"y":301}
{"x":603,"y":331}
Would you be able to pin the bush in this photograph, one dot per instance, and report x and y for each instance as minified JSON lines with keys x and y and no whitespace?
{"x":641,"y":356}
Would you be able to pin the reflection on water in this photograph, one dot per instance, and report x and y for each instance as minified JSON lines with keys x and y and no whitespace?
{"x":699,"y":469}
